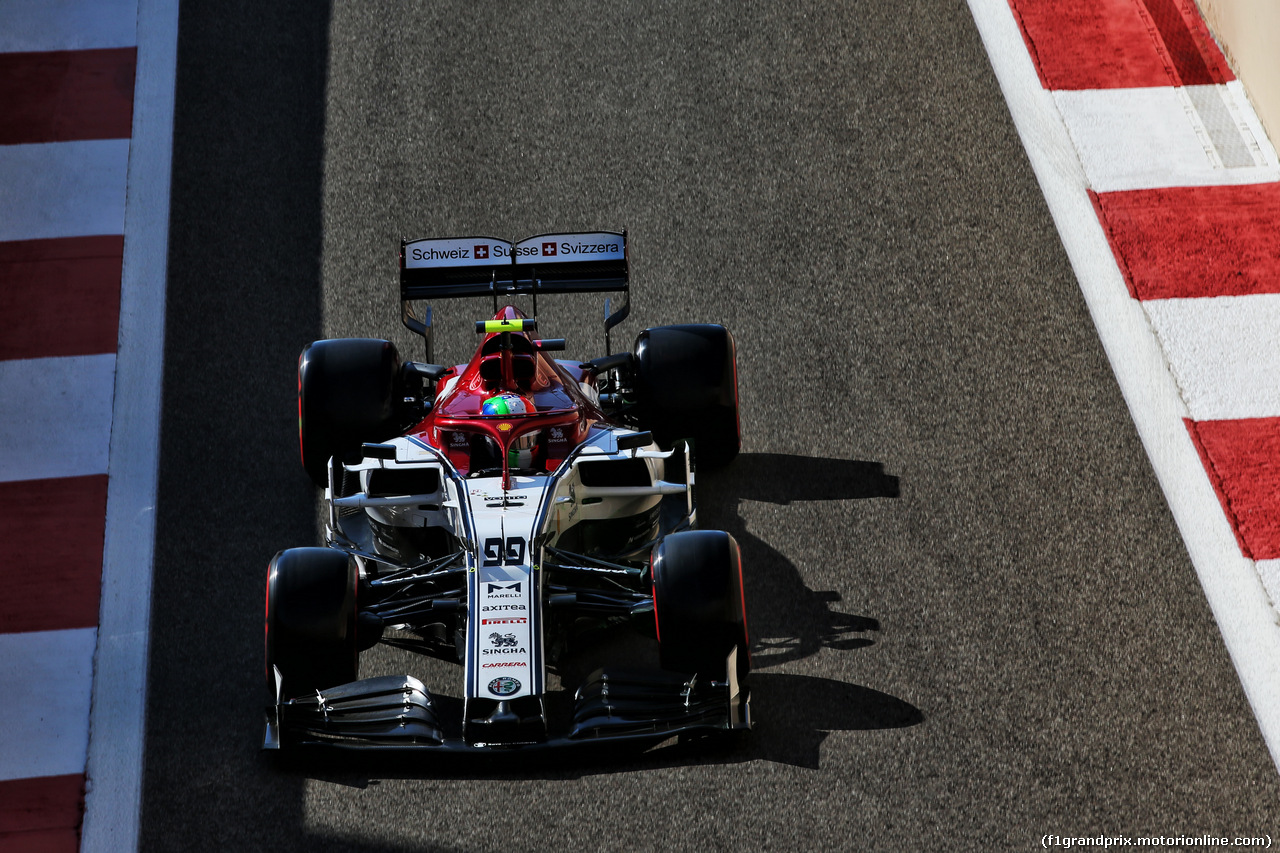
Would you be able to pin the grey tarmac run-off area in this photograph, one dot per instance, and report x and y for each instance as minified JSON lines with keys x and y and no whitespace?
{"x":974,"y":621}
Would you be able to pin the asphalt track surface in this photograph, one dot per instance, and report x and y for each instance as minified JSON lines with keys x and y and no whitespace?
{"x":974,"y":620}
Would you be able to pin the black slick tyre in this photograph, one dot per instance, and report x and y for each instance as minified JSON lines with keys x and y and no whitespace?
{"x":311,"y":620}
{"x":686,"y":386}
{"x":348,"y":393}
{"x":698,"y":603}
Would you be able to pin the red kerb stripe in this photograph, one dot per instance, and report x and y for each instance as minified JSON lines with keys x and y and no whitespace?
{"x":66,"y":95}
{"x":52,"y":570}
{"x":1109,"y":44}
{"x":41,"y":814}
{"x":1194,"y":241}
{"x":41,"y":841}
{"x":60,"y":297}
{"x":1242,"y":458}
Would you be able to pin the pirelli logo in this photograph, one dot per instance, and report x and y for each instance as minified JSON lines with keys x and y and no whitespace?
{"x":510,"y":620}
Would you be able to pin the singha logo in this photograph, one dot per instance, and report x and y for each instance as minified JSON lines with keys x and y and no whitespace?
{"x":502,"y":639}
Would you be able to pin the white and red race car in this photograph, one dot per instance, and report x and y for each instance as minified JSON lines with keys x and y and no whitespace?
{"x":497,"y":512}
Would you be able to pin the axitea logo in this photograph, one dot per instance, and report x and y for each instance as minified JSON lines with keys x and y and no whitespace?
{"x":548,"y":249}
{"x":482,"y":252}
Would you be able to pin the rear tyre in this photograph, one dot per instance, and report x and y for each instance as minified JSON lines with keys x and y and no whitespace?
{"x":311,"y":620}
{"x":698,"y":603}
{"x":348,"y":393}
{"x":686,"y":386}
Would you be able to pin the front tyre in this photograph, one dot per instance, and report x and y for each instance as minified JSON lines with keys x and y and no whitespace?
{"x":699,"y":604}
{"x":311,"y":620}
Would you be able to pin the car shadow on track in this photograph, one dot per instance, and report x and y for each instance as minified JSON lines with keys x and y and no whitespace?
{"x":796,"y":713}
{"x":789,"y":621}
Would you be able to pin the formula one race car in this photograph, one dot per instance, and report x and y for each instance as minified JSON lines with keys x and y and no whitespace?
{"x":497,"y":512}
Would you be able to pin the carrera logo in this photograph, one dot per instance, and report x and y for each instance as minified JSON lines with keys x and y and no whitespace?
{"x":503,"y":663}
{"x":482,"y":253}
{"x":509,"y":620}
{"x":548,"y":249}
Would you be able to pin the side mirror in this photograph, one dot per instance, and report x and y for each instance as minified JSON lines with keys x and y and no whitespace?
{"x":378,"y":451}
{"x":427,"y":371}
{"x":608,"y":362}
{"x":634,"y":440}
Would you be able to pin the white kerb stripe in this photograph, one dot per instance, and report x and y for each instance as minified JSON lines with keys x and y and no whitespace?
{"x":41,"y":25}
{"x":1166,"y":137}
{"x":1224,"y":352}
{"x":63,"y":189}
{"x":56,"y":418}
{"x":45,"y":679}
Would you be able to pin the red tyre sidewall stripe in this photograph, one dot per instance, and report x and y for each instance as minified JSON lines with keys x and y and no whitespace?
{"x":266,"y":622}
{"x":302,"y":453}
{"x":654,"y":579}
{"x":355,"y":621}
{"x":742,"y":595}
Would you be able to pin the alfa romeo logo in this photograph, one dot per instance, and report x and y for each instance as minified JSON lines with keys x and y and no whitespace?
{"x":504,"y":686}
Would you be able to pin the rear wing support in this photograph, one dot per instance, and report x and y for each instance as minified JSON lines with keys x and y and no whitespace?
{"x":611,"y":320}
{"x":417,"y":326}
{"x":452,"y":267}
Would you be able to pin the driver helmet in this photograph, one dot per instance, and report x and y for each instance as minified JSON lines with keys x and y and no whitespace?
{"x":507,"y":404}
{"x":522,"y":451}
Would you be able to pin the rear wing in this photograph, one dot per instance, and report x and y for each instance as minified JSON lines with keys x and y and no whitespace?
{"x":478,"y":266}
{"x":577,"y":262}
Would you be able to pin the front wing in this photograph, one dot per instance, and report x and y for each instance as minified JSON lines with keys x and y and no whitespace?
{"x":614,"y":705}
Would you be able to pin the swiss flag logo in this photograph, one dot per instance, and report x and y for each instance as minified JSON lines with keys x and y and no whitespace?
{"x":548,"y":249}
{"x":482,"y":252}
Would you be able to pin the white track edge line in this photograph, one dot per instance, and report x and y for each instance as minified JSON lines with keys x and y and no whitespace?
{"x":117,"y":721}
{"x":1230,"y":581}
